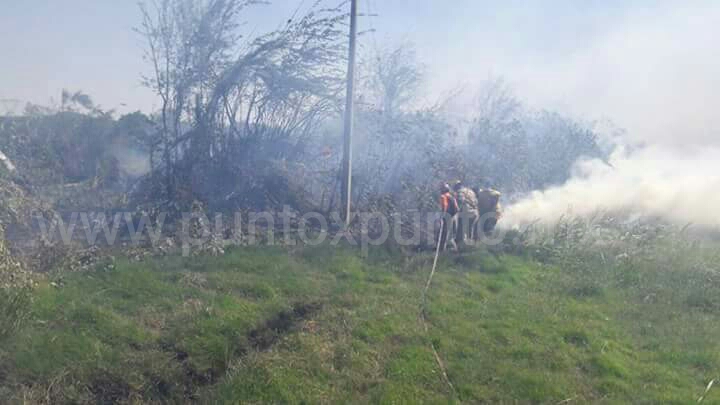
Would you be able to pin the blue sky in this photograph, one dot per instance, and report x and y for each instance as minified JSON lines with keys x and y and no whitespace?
{"x":651,"y":66}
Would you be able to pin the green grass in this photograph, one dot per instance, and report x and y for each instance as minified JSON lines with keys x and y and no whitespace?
{"x":326,"y":325}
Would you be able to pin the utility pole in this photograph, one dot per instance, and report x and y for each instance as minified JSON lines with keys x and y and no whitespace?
{"x":346,"y":188}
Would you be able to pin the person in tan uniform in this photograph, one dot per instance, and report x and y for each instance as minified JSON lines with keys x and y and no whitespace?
{"x":489,"y":209}
{"x":468,"y":214}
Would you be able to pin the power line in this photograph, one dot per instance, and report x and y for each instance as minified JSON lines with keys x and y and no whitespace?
{"x":370,"y":15}
{"x":297,"y":9}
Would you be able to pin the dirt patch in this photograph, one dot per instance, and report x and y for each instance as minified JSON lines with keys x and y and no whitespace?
{"x":192,"y":378}
{"x":107,"y":389}
{"x":263,"y":337}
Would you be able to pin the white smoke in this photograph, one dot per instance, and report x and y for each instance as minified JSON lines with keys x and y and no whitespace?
{"x":131,"y":161}
{"x":654,"y":73}
{"x":680,"y":186}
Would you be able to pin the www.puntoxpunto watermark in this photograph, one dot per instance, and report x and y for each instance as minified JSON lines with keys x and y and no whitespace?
{"x":286,"y":227}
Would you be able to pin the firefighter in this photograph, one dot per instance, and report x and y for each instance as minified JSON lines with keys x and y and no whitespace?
{"x":468,"y":212}
{"x":489,"y":209}
{"x":449,"y":208}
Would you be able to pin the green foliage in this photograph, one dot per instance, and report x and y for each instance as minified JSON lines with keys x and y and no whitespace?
{"x":14,"y":310}
{"x":327,"y":325}
{"x":66,"y":146}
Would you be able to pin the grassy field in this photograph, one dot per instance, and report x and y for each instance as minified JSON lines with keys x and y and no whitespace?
{"x":322,"y":325}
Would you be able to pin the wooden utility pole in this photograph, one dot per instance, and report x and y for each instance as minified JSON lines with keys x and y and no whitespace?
{"x":346,"y":188}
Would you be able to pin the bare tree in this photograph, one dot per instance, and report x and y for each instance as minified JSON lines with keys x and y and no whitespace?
{"x":188,"y":43}
{"x":393,"y":76}
{"x":283,"y":86}
{"x":397,"y":144}
{"x":223,"y":101}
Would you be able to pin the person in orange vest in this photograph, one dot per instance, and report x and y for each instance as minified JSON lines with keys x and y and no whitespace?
{"x":449,"y":207}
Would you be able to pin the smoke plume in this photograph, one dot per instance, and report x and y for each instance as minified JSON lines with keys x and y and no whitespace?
{"x":680,"y":186}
